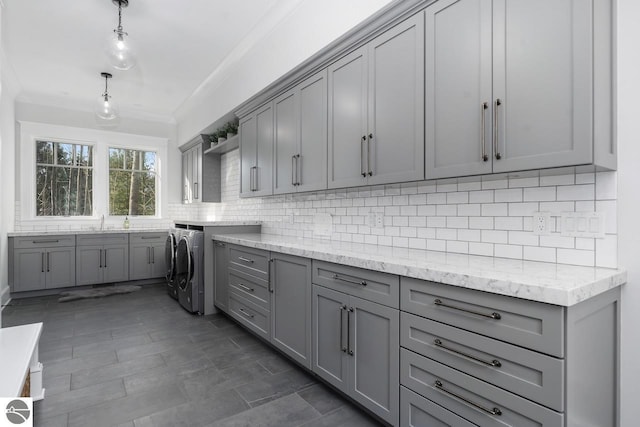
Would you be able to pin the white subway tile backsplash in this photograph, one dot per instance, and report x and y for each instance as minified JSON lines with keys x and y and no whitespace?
{"x":417,"y":199}
{"x":494,"y":209}
{"x":532,"y":181}
{"x":492,"y":184}
{"x":607,"y":252}
{"x":576,"y":192}
{"x":436,"y":199}
{"x":535,"y":253}
{"x":585,"y":243}
{"x":446,"y":234}
{"x":606,"y":186}
{"x":523,"y":209}
{"x":485,"y":196}
{"x":447,"y":210}
{"x":508,"y":223}
{"x":436,"y":221}
{"x":437,"y":245}
{"x":557,"y":180}
{"x":417,"y":221}
{"x":576,"y":257}
{"x":540,"y":194}
{"x":557,"y":241}
{"x":481,"y":223}
{"x":469,"y":210}
{"x":586,"y":178}
{"x":609,"y":209}
{"x":523,"y":238}
{"x":508,"y":251}
{"x":508,"y":195}
{"x":469,"y":235}
{"x":494,"y":236}
{"x":457,"y":222}
{"x":458,"y":197}
{"x":457,"y":247}
{"x":427,"y":210}
{"x":485,"y":249}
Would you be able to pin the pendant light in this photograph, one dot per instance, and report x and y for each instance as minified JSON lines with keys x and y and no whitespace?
{"x":119,"y":50}
{"x":105,"y":108}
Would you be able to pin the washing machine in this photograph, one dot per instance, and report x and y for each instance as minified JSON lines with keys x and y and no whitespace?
{"x":170,"y":247}
{"x":190,"y":270}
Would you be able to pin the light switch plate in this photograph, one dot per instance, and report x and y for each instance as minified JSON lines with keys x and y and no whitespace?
{"x":582,"y":224}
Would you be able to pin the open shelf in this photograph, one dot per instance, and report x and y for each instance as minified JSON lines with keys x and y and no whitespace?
{"x":225,"y":146}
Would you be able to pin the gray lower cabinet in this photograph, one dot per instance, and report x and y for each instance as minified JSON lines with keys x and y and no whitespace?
{"x":102,"y":259}
{"x":291,"y":306}
{"x":355,"y":344}
{"x":146,"y":256}
{"x":42,"y":262}
{"x":416,"y":411}
{"x":221,"y":275}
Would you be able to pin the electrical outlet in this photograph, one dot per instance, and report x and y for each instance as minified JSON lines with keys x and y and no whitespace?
{"x":378,"y":220}
{"x":541,"y":223}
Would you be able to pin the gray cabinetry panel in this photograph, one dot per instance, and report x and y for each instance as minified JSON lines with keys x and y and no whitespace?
{"x":285,"y":143}
{"x":533,"y":325}
{"x":250,"y":288}
{"x":29,"y":269}
{"x":45,"y":241}
{"x":146,"y":255}
{"x":61,"y":267}
{"x":251,"y":261}
{"x":256,"y":151}
{"x":248,"y":152}
{"x":221,"y":275}
{"x":102,"y":258}
{"x":291,"y":307}
{"x":42,"y":262}
{"x":89,"y":265}
{"x":416,"y":411}
{"x":530,"y":374}
{"x":378,"y":287}
{"x":140,"y":261}
{"x":116,"y":263}
{"x":464,"y":395}
{"x":250,"y":315}
{"x":158,"y":262}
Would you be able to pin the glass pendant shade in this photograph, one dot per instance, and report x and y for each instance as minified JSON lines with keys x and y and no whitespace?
{"x":105,"y":108}
{"x":119,"y":52}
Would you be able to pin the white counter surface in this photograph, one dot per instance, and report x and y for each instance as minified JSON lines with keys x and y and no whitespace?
{"x":17,"y":346}
{"x":538,"y":281}
{"x":216,"y":223}
{"x":105,"y":231}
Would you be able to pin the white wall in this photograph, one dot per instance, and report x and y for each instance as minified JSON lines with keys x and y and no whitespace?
{"x":310,"y":27}
{"x":629,"y":203}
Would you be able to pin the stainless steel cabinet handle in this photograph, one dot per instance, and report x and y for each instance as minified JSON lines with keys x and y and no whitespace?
{"x":195,"y":190}
{"x":353,"y":282}
{"x":495,"y":411}
{"x":495,"y":363}
{"x":241,"y":258}
{"x":100,"y":258}
{"x":148,"y":255}
{"x":369,"y":168}
{"x":496,"y":152}
{"x":220,"y":244}
{"x":105,"y":258}
{"x":271,"y":283}
{"x":45,"y":241}
{"x":493,"y":315}
{"x":249,"y":315}
{"x":485,"y":106}
{"x":349,"y":334}
{"x":293,"y":161}
{"x":362,"y":171}
{"x":48,"y":265}
{"x":153,"y":255}
{"x":254,"y":179}
{"x":42,"y":263}
{"x":298,"y":169}
{"x":343,"y":310}
{"x":246,"y":288}
{"x":150,"y":237}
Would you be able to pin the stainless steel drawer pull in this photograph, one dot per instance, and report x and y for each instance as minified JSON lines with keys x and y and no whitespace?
{"x":353,"y":282}
{"x":250,"y":261}
{"x":484,"y":107}
{"x":151,"y":237}
{"x":343,"y":309}
{"x":493,"y":315}
{"x":220,"y":245}
{"x":35,"y":242}
{"x":496,"y":153}
{"x":494,"y":363}
{"x":494,"y":411}
{"x":249,"y":315}
{"x":246,"y":288}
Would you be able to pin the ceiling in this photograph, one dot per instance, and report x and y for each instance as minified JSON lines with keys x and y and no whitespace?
{"x":56,"y":48}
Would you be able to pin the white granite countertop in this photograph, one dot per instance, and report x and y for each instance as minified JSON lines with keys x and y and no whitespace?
{"x":105,"y":231}
{"x":557,"y":284}
{"x":216,"y":223}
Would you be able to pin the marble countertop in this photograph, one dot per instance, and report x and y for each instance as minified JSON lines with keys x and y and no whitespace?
{"x":105,"y":231}
{"x":557,"y":284}
{"x":216,"y":223}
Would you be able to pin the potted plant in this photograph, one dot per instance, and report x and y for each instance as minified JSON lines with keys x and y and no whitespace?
{"x":213,"y":139}
{"x":222,"y":135}
{"x":231,"y":129}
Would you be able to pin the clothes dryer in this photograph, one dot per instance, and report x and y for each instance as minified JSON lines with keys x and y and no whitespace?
{"x":190,"y":270}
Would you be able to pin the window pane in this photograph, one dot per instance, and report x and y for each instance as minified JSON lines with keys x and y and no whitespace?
{"x":132,"y":193}
{"x":44,"y":152}
{"x":64,"y":154}
{"x":84,"y":155}
{"x":63,"y":191}
{"x":116,"y":158}
{"x":149,"y":161}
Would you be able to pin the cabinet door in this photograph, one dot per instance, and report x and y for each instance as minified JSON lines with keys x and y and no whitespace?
{"x":374,"y":341}
{"x":158,"y":263}
{"x":89,"y":263}
{"x":543,"y":79}
{"x":291,"y":307}
{"x":61,"y":267}
{"x":264,"y":145}
{"x":348,"y":120}
{"x":312,"y":163}
{"x":221,"y":278}
{"x":29,"y":269}
{"x":395,"y":137}
{"x":186,"y":177}
{"x":140,"y":262}
{"x":116,"y":263}
{"x":458,"y":88}
{"x":285,"y":145}
{"x":248,"y":152}
{"x":330,"y":359}
{"x":196,"y":161}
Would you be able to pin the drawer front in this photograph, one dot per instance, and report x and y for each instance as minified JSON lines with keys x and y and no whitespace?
{"x":532,"y":375}
{"x":382,"y":288}
{"x":471,"y":398}
{"x":151,"y":238}
{"x":249,"y":314}
{"x":46,"y":241}
{"x":252,"y":289}
{"x":102,"y":239}
{"x":416,"y":411}
{"x":249,"y":260}
{"x":529,"y":324}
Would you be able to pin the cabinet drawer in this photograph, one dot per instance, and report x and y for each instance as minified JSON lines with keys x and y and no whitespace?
{"x":252,"y":289}
{"x":382,"y":288}
{"x":532,"y":375}
{"x":46,"y":241}
{"x":529,"y":324}
{"x":102,"y":239}
{"x":416,"y":411}
{"x":249,"y":314}
{"x":471,"y":398}
{"x":249,"y":260}
{"x":151,"y":238}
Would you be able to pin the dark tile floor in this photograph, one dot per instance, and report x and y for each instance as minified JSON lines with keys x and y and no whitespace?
{"x":140,"y":360}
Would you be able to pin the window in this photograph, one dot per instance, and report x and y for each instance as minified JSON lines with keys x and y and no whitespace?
{"x":64,"y":179}
{"x":132,"y":182}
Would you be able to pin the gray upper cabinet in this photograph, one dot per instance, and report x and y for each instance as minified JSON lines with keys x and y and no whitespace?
{"x":256,"y":151}
{"x":376,"y":110}
{"x":511,"y":86}
{"x":187,"y":176}
{"x":200,"y":176}
{"x":300,"y":137}
{"x":102,"y":258}
{"x":221,"y":275}
{"x":291,"y":307}
{"x":45,"y":262}
{"x":146,"y":256}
